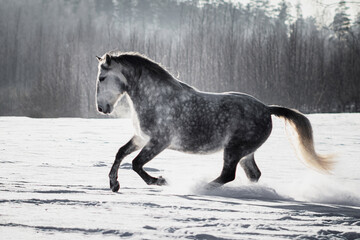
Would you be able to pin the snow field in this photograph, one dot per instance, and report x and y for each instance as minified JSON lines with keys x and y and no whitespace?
{"x":54,"y":185}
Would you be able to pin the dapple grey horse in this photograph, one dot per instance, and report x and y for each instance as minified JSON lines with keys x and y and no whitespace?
{"x":168,"y":113}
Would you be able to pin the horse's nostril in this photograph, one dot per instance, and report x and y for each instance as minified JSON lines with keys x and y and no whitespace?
{"x":100,"y":109}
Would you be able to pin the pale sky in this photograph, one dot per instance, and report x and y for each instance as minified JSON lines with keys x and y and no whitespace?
{"x":323,"y":10}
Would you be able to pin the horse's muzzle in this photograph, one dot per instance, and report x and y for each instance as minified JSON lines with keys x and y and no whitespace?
{"x":105,"y":110}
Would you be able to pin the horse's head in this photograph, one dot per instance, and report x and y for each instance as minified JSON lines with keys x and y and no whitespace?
{"x":111,"y":84}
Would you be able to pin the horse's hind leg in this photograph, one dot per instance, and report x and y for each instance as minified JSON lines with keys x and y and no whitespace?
{"x":125,"y":150}
{"x":231,"y":158}
{"x":251,"y":169}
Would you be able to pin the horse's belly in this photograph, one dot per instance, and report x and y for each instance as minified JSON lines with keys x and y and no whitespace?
{"x":198,"y":144}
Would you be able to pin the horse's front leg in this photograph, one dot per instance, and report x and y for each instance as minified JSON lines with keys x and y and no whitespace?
{"x":125,"y":150}
{"x":151,"y":149}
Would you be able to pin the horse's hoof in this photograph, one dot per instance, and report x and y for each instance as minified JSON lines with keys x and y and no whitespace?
{"x":211,"y":186}
{"x":254,"y":180}
{"x":115,"y":187}
{"x":161,"y":181}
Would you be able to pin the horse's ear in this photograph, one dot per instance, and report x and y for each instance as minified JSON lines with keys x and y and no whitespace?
{"x":98,"y":58}
{"x":108,"y":59}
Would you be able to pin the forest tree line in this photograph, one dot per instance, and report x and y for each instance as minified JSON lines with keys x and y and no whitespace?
{"x":48,"y":66}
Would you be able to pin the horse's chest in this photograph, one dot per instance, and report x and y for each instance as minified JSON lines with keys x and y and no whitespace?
{"x":136,"y":122}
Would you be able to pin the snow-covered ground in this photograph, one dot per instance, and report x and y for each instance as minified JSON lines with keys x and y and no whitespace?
{"x":54,"y":185}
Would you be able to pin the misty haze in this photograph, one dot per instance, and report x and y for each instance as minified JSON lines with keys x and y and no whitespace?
{"x":48,"y":64}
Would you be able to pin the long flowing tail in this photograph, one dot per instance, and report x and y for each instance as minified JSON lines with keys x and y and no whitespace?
{"x":303,"y":141}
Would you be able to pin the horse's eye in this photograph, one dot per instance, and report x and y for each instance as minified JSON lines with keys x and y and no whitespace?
{"x":101,"y":79}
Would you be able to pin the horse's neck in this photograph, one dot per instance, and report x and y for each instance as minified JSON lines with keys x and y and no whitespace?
{"x":148,"y":91}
